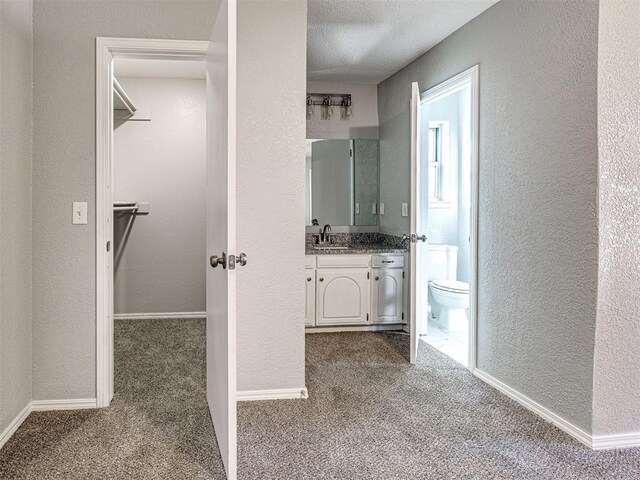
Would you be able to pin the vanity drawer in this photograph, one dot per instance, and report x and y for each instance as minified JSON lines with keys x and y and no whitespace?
{"x":387,"y":261}
{"x":309,"y":261}
{"x":344,"y":261}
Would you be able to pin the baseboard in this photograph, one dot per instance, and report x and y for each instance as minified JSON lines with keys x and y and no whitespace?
{"x":545,"y":413}
{"x":610,"y":442}
{"x":355,"y":328}
{"x":161,"y":315}
{"x":15,"y":423}
{"x":281,"y":394}
{"x":65,"y":404}
{"x":44,"y":405}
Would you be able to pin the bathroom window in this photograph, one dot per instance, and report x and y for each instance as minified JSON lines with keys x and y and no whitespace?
{"x":435,"y":159}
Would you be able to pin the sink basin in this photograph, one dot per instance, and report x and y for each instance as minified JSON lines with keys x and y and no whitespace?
{"x":329,"y":247}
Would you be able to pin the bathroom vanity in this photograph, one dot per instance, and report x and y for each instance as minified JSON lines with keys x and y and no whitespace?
{"x":355,"y":289}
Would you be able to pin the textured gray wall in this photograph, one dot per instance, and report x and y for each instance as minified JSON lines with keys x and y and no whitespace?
{"x":538,"y":189}
{"x":159,"y":264}
{"x":15,"y":208}
{"x":270,"y":190}
{"x":64,"y":171}
{"x":617,"y":355}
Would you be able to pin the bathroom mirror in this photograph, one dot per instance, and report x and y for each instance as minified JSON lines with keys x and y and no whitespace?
{"x":342,"y":182}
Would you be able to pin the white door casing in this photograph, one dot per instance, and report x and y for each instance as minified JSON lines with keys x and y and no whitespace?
{"x":418,"y":284}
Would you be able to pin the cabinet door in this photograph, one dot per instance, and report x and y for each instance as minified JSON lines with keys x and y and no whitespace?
{"x":310,"y":297}
{"x":343,"y":296}
{"x":387,"y":295}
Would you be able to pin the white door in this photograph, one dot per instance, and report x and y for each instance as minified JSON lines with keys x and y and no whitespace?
{"x":343,"y":296}
{"x":418,"y":274}
{"x":221,"y":234}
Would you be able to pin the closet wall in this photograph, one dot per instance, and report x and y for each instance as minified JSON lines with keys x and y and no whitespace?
{"x":159,"y":258}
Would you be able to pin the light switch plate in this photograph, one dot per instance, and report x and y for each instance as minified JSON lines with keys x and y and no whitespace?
{"x":405,"y":209}
{"x":79,"y":213}
{"x":382,"y":209}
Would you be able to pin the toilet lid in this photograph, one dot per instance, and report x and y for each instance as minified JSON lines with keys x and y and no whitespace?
{"x":451,"y":285}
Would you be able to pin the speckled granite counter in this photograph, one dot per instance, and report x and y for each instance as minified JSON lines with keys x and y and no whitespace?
{"x":358,"y":243}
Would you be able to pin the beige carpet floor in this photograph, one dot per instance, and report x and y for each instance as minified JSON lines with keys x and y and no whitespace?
{"x":370,"y":415}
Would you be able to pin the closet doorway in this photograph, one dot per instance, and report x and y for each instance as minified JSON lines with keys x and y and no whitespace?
{"x":165,"y":221}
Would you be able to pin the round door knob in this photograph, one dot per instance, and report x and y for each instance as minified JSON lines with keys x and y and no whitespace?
{"x":377,"y":278}
{"x":321,"y":279}
{"x":308,"y":279}
{"x":241,"y":259}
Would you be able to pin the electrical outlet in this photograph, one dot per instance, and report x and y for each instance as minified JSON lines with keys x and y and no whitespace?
{"x":357,"y":208}
{"x":79,"y":213}
{"x":405,"y":209}
{"x":373,"y":208}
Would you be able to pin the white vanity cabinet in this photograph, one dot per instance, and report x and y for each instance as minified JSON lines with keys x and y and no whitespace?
{"x":387,"y":292}
{"x":354,"y":290}
{"x":310,"y":292}
{"x":343,"y":296}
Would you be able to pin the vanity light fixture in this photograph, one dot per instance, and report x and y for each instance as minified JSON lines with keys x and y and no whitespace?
{"x":310,"y":110}
{"x":327,"y":103}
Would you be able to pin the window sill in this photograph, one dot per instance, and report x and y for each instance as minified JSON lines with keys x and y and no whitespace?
{"x":440,"y":204}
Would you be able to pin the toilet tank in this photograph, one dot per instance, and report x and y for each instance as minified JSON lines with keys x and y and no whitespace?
{"x":442,"y":262}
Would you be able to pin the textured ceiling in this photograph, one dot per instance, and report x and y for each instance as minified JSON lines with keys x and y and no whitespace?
{"x":366,"y":41}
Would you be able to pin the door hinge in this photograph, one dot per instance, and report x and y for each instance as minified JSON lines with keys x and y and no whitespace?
{"x":351,"y":152}
{"x":402,"y":315}
{"x":403,"y":274}
{"x":367,"y":317}
{"x":367,"y":275}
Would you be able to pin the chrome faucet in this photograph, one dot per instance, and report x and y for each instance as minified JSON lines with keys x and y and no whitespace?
{"x":326,"y":234}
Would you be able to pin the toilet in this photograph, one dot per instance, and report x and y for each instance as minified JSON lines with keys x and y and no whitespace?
{"x":448,"y":297}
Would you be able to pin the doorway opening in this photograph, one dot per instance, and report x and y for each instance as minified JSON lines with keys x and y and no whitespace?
{"x":447,"y":182}
{"x":163,"y":120}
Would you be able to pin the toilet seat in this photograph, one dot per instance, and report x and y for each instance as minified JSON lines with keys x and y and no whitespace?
{"x":453,"y":286}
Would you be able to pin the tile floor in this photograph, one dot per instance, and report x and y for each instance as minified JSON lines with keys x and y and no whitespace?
{"x":453,"y":344}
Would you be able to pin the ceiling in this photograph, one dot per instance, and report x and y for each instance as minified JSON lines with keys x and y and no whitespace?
{"x":159,"y":68}
{"x":366,"y":41}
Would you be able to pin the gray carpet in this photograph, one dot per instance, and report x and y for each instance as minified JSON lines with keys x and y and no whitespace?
{"x":157,"y":427}
{"x":370,"y":416}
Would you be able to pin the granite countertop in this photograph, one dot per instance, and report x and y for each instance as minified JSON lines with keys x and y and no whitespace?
{"x":354,"y":249}
{"x":358,"y":243}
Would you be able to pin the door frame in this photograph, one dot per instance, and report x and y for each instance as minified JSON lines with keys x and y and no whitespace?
{"x":470,"y":76}
{"x":106,"y":48}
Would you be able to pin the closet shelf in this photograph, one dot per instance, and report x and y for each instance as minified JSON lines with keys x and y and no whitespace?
{"x":121,"y":100}
{"x":135,"y":208}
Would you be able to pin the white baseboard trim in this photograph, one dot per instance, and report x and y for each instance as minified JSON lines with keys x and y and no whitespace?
{"x":355,"y":328}
{"x":45,"y":405}
{"x":621,"y":440}
{"x":65,"y":404}
{"x":15,"y":423}
{"x":161,"y":315}
{"x":281,"y":394}
{"x":545,"y":413}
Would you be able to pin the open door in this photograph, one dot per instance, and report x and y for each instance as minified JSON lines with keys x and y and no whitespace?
{"x":418,"y":274}
{"x":221,"y":233}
